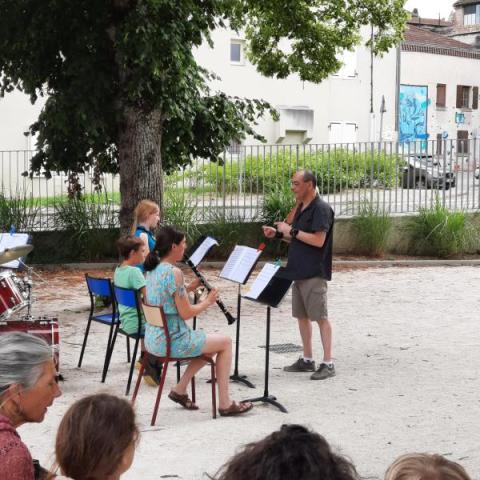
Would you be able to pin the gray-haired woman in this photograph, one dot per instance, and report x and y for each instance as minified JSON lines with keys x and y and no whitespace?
{"x":28,"y":386}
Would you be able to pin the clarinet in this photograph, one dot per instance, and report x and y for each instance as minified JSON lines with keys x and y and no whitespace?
{"x":203,"y":280}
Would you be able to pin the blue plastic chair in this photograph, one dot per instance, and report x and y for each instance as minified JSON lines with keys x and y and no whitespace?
{"x":127,"y":297}
{"x":100,"y":288}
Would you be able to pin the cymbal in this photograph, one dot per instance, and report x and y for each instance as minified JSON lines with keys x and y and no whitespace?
{"x":13,"y":253}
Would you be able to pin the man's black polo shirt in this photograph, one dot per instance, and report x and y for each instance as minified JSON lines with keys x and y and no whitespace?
{"x":306,"y":261}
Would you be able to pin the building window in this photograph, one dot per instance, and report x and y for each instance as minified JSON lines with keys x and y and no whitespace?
{"x":463,"y":96}
{"x":471,"y":14}
{"x":349,"y":67}
{"x":234,"y":148}
{"x":439,"y":144}
{"x":441,"y":95}
{"x":462,"y":141}
{"x":236,"y":52}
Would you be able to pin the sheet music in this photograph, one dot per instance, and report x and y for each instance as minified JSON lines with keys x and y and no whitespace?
{"x":9,"y":240}
{"x":265,"y":275}
{"x":202,"y":250}
{"x":240,"y":263}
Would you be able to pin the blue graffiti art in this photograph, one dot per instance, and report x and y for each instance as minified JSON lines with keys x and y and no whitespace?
{"x":413,"y":113}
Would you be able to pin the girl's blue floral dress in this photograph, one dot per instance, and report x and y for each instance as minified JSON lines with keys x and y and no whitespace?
{"x":185,"y":342}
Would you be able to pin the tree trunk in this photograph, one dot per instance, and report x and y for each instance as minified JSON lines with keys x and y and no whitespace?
{"x":140,"y":162}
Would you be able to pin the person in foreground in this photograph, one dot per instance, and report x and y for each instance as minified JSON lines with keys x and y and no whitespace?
{"x":293,"y":452}
{"x":166,"y":287}
{"x":28,"y":386}
{"x":424,"y":466}
{"x":96,"y":439}
{"x":310,"y":235}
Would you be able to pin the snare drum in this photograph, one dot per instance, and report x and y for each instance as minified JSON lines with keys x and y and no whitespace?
{"x":12,"y":298}
{"x":44,"y":327}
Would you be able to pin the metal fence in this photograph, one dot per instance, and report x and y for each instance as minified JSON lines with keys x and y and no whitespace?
{"x":388,"y":176}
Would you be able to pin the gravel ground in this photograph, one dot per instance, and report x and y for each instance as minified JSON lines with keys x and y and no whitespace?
{"x":406,"y":349}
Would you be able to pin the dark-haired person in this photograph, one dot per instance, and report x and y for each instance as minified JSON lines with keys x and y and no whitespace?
{"x":28,"y":386}
{"x":293,"y":452}
{"x":96,"y":439}
{"x":310,"y":236}
{"x":425,"y":466}
{"x":133,"y":251}
{"x":166,"y":287}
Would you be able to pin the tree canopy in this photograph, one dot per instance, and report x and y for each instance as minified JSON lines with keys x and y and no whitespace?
{"x":123,"y":86}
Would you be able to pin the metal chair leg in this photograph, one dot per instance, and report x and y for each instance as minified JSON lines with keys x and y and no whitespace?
{"x":139,"y":379}
{"x":128,"y":349}
{"x":109,"y":354}
{"x":159,"y":393}
{"x":132,"y":365}
{"x":85,"y":337}
{"x":193,"y":389}
{"x":214,"y":390}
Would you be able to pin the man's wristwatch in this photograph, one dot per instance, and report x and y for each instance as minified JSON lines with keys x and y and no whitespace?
{"x":294,"y":232}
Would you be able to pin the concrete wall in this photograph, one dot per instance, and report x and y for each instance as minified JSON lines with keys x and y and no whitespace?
{"x":429,"y":69}
{"x":16,"y":115}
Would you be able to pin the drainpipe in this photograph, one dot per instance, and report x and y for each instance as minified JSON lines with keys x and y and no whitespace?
{"x":372,"y":113}
{"x":397,"y":90}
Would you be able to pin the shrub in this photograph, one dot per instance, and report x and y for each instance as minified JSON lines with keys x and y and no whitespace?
{"x":336,"y":169}
{"x":372,"y":227}
{"x":87,"y":220}
{"x":277,"y":202}
{"x":19,"y":210}
{"x":228,"y":227}
{"x":439,"y":232}
{"x":178,"y":211}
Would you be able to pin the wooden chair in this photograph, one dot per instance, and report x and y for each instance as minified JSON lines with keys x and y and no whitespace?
{"x":155,"y":316}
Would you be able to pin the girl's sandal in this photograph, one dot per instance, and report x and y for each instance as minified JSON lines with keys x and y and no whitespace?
{"x":235,"y":409}
{"x":183,"y":400}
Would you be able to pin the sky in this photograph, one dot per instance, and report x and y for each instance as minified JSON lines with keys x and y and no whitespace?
{"x":431,"y":8}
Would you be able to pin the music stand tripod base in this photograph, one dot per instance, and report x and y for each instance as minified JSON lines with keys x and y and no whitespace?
{"x":267,"y":398}
{"x":236,"y":377}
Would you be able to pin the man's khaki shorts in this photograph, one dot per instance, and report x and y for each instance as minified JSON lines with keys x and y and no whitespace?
{"x":309,"y":299}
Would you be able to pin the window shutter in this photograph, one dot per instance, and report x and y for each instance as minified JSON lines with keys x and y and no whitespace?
{"x":475,"y":98}
{"x":459,"y":96}
{"x":441,"y":94}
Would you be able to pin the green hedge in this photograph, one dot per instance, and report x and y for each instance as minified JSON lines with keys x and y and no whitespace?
{"x":336,"y":170}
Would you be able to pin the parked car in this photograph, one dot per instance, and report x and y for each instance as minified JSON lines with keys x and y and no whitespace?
{"x":427,"y":171}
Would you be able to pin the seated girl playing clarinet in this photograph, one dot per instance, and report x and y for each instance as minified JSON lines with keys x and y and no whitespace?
{"x":166,"y":287}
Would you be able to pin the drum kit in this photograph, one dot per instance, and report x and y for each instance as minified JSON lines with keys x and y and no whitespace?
{"x":16,"y":295}
{"x":15,"y":292}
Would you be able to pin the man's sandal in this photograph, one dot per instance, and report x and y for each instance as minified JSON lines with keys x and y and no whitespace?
{"x":235,"y":409}
{"x":183,"y":400}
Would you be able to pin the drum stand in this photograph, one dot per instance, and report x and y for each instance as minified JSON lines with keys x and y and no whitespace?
{"x":28,"y":281}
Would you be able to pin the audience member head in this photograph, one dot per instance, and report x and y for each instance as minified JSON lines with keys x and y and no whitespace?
{"x":96,"y":438}
{"x":146,"y":213}
{"x":291,"y":452}
{"x":132,"y":248}
{"x":167,"y":239}
{"x":28,"y":379}
{"x":424,"y":466}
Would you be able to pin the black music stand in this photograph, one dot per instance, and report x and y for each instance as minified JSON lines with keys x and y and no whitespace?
{"x":271,"y":296}
{"x":236,"y":377}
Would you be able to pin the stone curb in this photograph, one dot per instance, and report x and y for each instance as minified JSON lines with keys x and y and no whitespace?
{"x":336,"y":263}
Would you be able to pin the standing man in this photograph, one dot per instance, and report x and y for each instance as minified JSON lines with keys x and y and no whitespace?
{"x":310,"y":236}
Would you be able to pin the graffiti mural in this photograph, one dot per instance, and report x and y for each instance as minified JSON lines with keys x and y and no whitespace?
{"x":413,"y":113}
